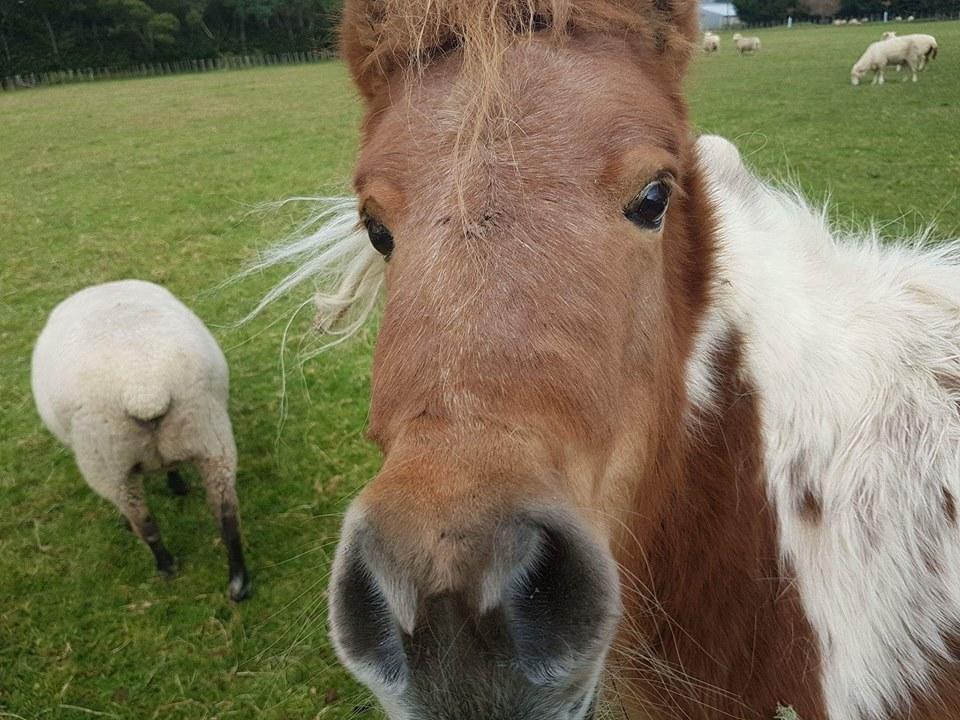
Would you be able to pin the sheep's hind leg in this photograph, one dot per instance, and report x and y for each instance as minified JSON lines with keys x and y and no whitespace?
{"x":219,"y":478}
{"x":115,"y":476}
{"x":131,"y":502}
{"x":176,"y":483}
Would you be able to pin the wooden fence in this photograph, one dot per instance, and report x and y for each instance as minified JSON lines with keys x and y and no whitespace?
{"x":227,"y":62}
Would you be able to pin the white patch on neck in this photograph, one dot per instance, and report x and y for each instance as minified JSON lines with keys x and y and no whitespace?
{"x":854,"y":349}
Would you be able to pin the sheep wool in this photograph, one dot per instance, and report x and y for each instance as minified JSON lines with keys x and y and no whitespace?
{"x":131,"y":380}
{"x":898,"y":50}
{"x":746,"y":45}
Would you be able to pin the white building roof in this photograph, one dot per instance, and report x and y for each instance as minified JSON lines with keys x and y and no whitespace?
{"x":722,"y":9}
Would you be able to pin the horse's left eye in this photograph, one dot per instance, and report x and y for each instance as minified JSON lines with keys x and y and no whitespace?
{"x":647,"y":209}
{"x":380,"y":237}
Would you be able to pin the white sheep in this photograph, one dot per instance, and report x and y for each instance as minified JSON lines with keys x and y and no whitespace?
{"x":711,"y":42}
{"x":132,"y":381}
{"x":926,"y":46}
{"x":894,"y":51}
{"x":746,"y":44}
{"x":853,"y":21}
{"x":910,"y":18}
{"x":886,"y":36}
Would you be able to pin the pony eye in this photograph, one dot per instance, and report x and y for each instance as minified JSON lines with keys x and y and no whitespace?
{"x":380,"y":237}
{"x":647,"y":209}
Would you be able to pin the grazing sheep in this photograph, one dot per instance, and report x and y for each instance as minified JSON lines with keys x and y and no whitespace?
{"x":746,"y":44}
{"x":711,"y":42}
{"x":926,"y":46}
{"x":895,"y":51}
{"x":853,"y":21}
{"x":133,"y":382}
{"x":910,"y":18}
{"x":839,"y":21}
{"x":886,"y":36}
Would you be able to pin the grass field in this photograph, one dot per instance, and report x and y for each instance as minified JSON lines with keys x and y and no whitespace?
{"x":155,"y":179}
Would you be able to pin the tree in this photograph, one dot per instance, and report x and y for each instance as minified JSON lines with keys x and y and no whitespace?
{"x":244,"y":9}
{"x":820,"y":8}
{"x":758,"y":11}
{"x":50,"y":12}
{"x":41,"y":35}
{"x":142,"y":21}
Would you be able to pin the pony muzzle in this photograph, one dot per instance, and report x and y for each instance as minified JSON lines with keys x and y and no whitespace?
{"x":528,"y":609}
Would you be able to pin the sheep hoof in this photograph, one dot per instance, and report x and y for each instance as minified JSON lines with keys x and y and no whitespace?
{"x":176,"y":483}
{"x":168,"y":567}
{"x":240,"y":588}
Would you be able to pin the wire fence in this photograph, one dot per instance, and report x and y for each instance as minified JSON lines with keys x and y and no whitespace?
{"x":218,"y":64}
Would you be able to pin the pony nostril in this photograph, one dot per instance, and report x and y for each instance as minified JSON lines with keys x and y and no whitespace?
{"x":562,"y":604}
{"x":365,"y":629}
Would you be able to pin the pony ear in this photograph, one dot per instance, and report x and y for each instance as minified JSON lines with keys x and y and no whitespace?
{"x":676,"y":27}
{"x":361,"y":34}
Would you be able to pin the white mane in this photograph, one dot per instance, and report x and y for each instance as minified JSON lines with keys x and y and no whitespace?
{"x":854,"y":348}
{"x":330,"y":249}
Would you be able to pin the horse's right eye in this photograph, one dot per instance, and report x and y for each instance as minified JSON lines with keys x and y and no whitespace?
{"x":380,"y":237}
{"x":647,"y":209}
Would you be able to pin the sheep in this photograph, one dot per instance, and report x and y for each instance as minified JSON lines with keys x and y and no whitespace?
{"x":746,"y":44}
{"x":132,"y":382}
{"x":910,"y":18}
{"x":711,"y":42}
{"x":895,"y":51}
{"x":853,"y":21}
{"x":899,"y":18}
{"x":886,"y":36}
{"x":926,"y":46}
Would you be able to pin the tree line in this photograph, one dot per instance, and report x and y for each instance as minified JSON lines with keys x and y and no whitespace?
{"x":48,"y":35}
{"x":762,"y":11}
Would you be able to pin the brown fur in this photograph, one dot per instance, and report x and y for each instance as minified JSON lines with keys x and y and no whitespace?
{"x":711,"y":601}
{"x":381,"y":37}
{"x":384,"y":40}
{"x":533,"y":353}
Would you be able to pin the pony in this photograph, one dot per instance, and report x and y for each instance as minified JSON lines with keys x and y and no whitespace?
{"x":657,"y":441}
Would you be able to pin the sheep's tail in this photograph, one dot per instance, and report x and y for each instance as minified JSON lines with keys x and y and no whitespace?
{"x":146,"y":403}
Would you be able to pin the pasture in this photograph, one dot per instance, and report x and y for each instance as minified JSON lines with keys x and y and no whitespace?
{"x":156,"y":179}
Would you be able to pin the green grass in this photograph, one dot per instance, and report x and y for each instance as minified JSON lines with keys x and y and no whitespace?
{"x":154,"y":179}
{"x":886,"y":152}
